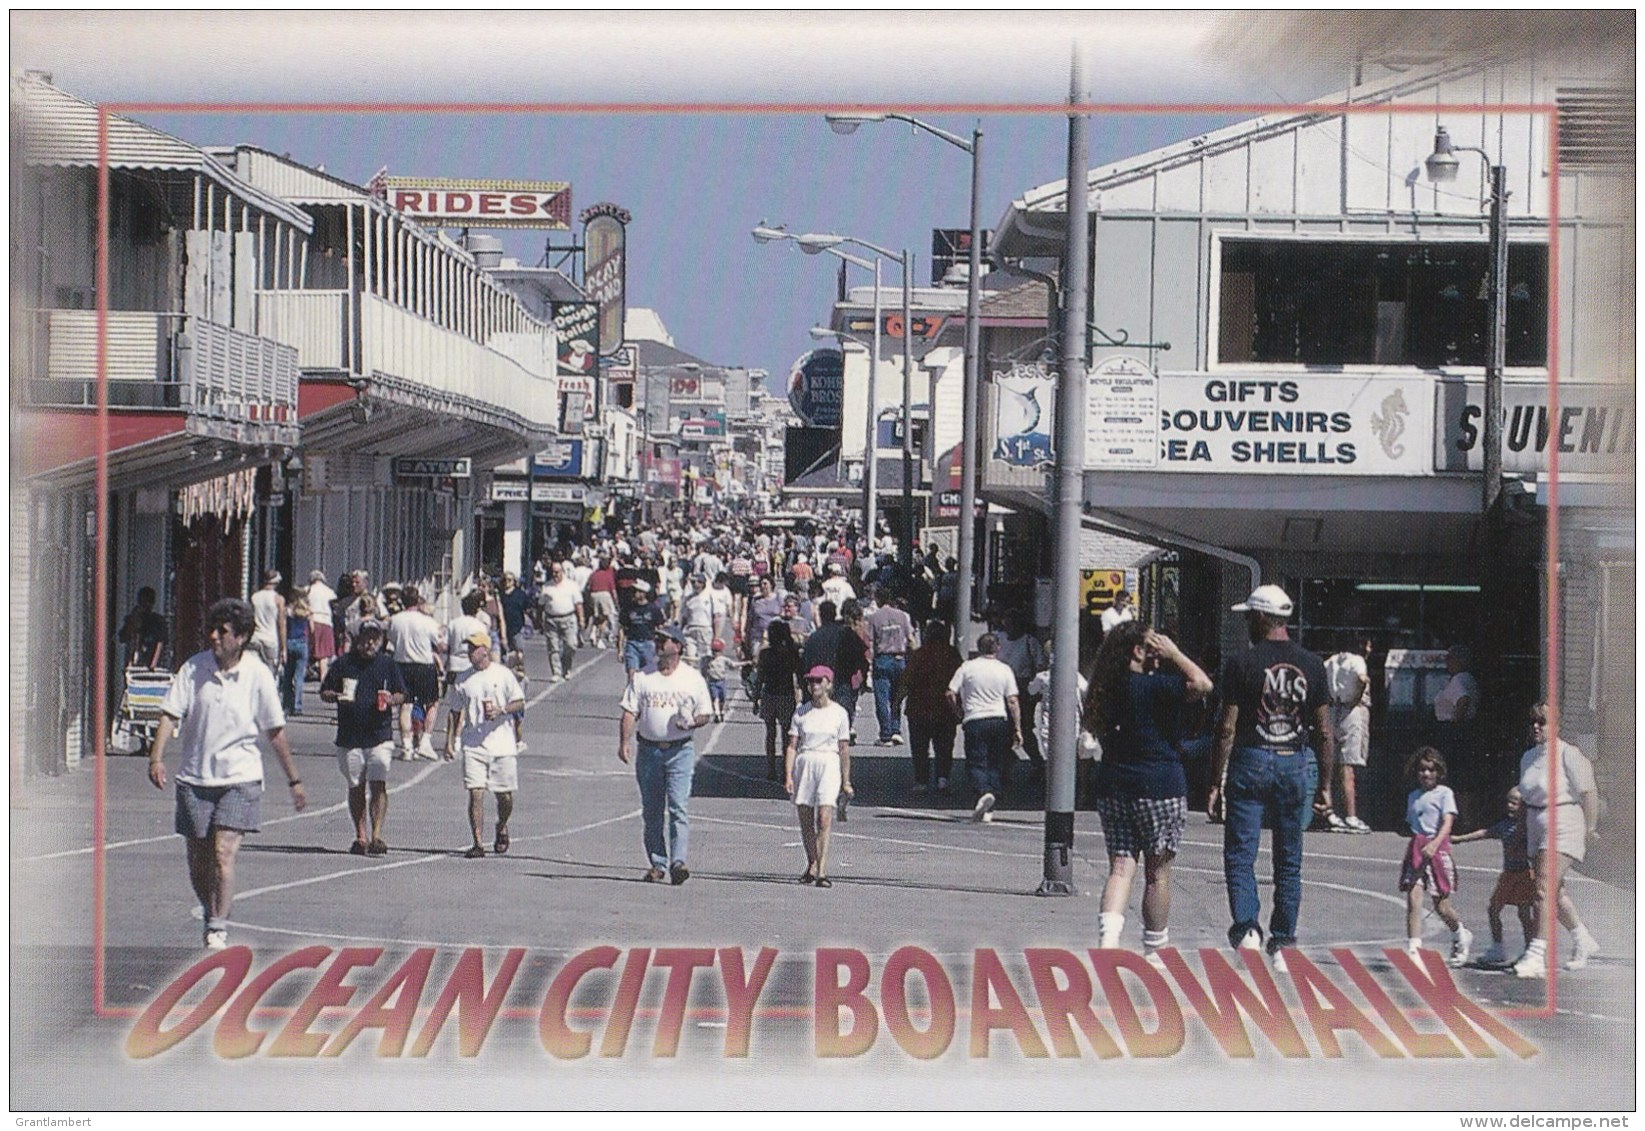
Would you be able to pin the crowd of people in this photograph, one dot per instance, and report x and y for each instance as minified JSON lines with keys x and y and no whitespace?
{"x":806,"y":623}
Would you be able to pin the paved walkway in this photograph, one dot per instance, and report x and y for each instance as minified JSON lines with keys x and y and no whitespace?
{"x":910,"y":870}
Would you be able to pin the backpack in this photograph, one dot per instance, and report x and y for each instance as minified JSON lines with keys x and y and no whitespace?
{"x":1341,"y":680}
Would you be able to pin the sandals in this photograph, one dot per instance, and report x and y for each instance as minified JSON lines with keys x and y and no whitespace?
{"x":377,"y":847}
{"x":475,"y":853}
{"x":358,"y":848}
{"x":808,"y":878}
{"x":656,"y":876}
{"x":501,"y":845}
{"x":824,"y":882}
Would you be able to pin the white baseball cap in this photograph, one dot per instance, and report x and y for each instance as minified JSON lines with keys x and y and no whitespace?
{"x":1270,"y":599}
{"x":642,"y":587}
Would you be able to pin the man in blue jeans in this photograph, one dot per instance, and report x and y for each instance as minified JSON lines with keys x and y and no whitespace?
{"x":664,"y":708}
{"x":983,"y":693}
{"x":1265,"y":768}
{"x":893,"y":635}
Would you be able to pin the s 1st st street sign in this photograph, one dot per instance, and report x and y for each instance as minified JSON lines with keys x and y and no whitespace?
{"x":409,"y":467}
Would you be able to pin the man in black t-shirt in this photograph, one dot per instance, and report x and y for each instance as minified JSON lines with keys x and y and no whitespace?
{"x":637,"y":629}
{"x":367,"y":687}
{"x":1273,"y":754}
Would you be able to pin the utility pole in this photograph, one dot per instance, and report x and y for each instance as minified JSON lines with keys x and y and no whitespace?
{"x":1069,"y":472}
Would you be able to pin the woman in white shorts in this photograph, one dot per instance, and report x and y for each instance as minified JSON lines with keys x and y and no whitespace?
{"x":1574,"y":809}
{"x":818,"y":769}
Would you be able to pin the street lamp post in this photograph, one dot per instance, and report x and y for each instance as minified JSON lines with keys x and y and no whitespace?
{"x":870,"y":479}
{"x":813,"y":244}
{"x":846,"y":124}
{"x":1442,"y":167}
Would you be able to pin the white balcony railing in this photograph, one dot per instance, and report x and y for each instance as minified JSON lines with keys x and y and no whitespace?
{"x":311,"y":322}
{"x":236,"y":385}
{"x":398,"y":343}
{"x":514,"y":377}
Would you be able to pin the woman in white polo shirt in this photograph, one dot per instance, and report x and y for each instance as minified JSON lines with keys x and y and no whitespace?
{"x":818,"y":769}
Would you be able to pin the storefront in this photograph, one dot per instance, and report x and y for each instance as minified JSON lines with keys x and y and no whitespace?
{"x":1316,"y":421}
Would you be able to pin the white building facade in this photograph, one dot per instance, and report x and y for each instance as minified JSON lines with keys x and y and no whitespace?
{"x":1315,"y":420}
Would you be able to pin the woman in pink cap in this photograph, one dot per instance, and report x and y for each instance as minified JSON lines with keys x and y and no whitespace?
{"x":818,"y":769}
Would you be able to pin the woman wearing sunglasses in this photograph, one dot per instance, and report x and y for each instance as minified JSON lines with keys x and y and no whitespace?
{"x":1571,"y":811}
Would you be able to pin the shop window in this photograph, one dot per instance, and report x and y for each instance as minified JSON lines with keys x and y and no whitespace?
{"x":1394,"y":614}
{"x":1308,"y":302}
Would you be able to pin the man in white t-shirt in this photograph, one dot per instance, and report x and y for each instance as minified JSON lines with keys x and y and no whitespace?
{"x":323,"y":635}
{"x":483,"y":703}
{"x":268,"y":636}
{"x":472,"y":621}
{"x":983,"y":693}
{"x":661,"y":711}
{"x":416,"y":639}
{"x":697,"y":620}
{"x":562,"y":604}
{"x":835,"y":587}
{"x":1348,"y":680}
{"x":1455,"y":706}
{"x":1119,"y":612}
{"x":220,"y":702}
{"x":723,"y":600}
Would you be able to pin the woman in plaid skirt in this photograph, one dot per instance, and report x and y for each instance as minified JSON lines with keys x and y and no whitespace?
{"x":1140,"y":681}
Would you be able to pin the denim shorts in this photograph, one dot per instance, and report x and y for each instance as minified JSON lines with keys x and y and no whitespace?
{"x":202,"y":808}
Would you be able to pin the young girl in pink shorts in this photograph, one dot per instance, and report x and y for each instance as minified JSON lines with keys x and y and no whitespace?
{"x":1430,"y":811}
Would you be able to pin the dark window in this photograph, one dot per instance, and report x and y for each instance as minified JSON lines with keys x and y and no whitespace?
{"x":1318,"y":303}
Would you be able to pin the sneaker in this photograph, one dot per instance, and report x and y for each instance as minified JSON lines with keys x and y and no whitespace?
{"x":984,"y":809}
{"x":475,"y":853}
{"x":217,"y":940}
{"x":1584,"y":948}
{"x":1279,"y":962}
{"x":1334,"y":823}
{"x":405,"y":754}
{"x":1252,"y":940}
{"x":377,"y":847}
{"x":1355,"y":825}
{"x":1531,"y":964}
{"x":1153,"y":959}
{"x":1461,"y":945}
{"x":988,"y":817}
{"x":358,"y":848}
{"x":678,"y":873}
{"x":425,"y":750}
{"x":655,"y":876}
{"x":520,"y":746}
{"x":896,"y":740}
{"x":1494,"y":956}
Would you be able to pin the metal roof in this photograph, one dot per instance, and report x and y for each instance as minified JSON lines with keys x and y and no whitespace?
{"x":61,"y":130}
{"x":1033,"y":224}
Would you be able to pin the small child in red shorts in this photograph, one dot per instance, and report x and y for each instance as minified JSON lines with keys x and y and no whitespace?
{"x":1516,"y":886}
{"x":1431,"y":810}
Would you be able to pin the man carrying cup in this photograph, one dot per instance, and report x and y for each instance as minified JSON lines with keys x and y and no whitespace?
{"x":366,"y":686}
{"x":482,"y":704}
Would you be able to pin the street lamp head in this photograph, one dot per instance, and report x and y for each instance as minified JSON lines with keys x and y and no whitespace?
{"x":814,"y":244}
{"x":821,"y":333}
{"x":1442,"y":162}
{"x":848,"y":123}
{"x":763,"y":234}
